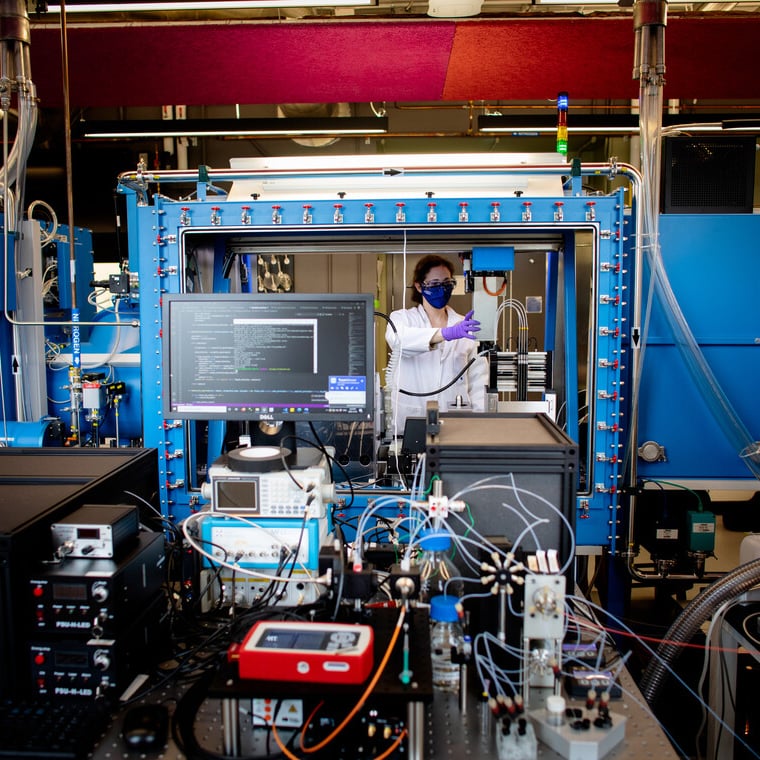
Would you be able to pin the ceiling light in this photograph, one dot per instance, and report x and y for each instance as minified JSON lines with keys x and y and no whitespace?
{"x":577,"y":2}
{"x":454,"y":8}
{"x":199,"y":5}
{"x":349,"y":125}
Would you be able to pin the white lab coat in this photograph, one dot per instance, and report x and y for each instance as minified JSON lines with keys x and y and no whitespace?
{"x":417,"y":367}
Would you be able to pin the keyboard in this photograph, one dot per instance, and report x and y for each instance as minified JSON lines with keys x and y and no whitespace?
{"x":51,"y":730}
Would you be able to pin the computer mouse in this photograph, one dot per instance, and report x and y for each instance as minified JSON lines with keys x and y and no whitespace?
{"x":145,"y":728}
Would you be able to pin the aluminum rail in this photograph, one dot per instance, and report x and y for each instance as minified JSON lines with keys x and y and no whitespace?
{"x":610,"y":169}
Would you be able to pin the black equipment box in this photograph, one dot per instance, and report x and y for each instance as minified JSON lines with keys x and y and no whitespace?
{"x":97,"y":597}
{"x":91,"y":667}
{"x":708,"y":174}
{"x":517,"y":472}
{"x":37,"y":487}
{"x":97,"y":530}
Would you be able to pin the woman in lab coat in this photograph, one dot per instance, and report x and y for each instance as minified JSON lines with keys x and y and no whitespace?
{"x":431,"y":344}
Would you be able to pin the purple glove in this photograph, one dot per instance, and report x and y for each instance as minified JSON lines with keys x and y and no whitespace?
{"x":464,"y":329}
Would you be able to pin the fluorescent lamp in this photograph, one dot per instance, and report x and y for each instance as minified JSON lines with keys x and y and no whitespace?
{"x":615,"y":124}
{"x":200,"y":5}
{"x":521,"y":126}
{"x":349,"y":125}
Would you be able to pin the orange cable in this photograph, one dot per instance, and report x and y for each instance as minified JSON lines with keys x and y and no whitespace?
{"x":497,"y":292}
{"x":388,"y":752}
{"x":370,"y":686}
{"x":285,"y":751}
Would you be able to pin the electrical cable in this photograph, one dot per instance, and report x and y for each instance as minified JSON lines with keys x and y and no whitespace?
{"x":355,"y":709}
{"x":171,"y":526}
{"x":436,"y":391}
{"x":717,"y":619}
{"x":333,"y":461}
{"x":663,"y":658}
{"x":691,"y":619}
{"x":449,"y":384}
{"x":489,"y":482}
{"x":183,"y":721}
{"x":658,"y":482}
{"x":199,"y":516}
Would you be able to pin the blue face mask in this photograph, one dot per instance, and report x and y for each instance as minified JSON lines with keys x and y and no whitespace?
{"x":437,"y":296}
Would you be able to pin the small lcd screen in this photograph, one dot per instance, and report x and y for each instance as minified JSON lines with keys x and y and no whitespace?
{"x":69,"y":592}
{"x":232,"y":495}
{"x":65,"y":659}
{"x":88,"y":533}
{"x":315,"y":641}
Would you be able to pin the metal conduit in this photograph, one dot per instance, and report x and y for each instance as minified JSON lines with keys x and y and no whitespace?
{"x":689,"y":622}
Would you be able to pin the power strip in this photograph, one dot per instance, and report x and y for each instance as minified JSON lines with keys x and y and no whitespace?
{"x":590,"y":743}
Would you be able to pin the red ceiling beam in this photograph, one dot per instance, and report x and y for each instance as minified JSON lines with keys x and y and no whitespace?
{"x":407,"y":61}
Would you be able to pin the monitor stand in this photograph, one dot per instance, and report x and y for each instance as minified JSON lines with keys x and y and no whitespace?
{"x":274,"y":434}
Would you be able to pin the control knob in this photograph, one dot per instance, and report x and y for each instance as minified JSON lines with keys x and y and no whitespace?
{"x":101,"y":659}
{"x":99,"y":591}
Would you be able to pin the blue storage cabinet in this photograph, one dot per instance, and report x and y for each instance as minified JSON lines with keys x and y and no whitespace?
{"x":713,"y":264}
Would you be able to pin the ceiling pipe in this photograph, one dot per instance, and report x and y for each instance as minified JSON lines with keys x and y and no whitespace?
{"x":649,"y":20}
{"x":15,"y":77}
{"x":224,"y":175}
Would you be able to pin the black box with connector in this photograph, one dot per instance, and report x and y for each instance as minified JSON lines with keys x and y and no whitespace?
{"x":185,"y":569}
{"x":380,"y":554}
{"x":331,"y":560}
{"x":116,"y":389}
{"x":330,"y":556}
{"x":118,"y":284}
{"x":404,"y":584}
{"x":96,"y":531}
{"x":360,"y":584}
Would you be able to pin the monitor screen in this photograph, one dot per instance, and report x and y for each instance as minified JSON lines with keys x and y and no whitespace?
{"x":280,"y":357}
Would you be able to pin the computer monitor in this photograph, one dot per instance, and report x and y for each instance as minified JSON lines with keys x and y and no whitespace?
{"x":279,"y":357}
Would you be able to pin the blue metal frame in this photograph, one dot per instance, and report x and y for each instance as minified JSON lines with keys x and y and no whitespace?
{"x":156,"y":231}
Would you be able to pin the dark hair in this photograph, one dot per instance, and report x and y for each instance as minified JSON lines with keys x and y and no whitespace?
{"x":424,"y":265}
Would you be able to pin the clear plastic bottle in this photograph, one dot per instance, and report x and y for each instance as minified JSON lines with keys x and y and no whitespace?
{"x":437,"y":568}
{"x":446,"y":634}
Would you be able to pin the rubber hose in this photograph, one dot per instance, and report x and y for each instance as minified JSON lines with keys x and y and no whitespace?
{"x":689,"y":622}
